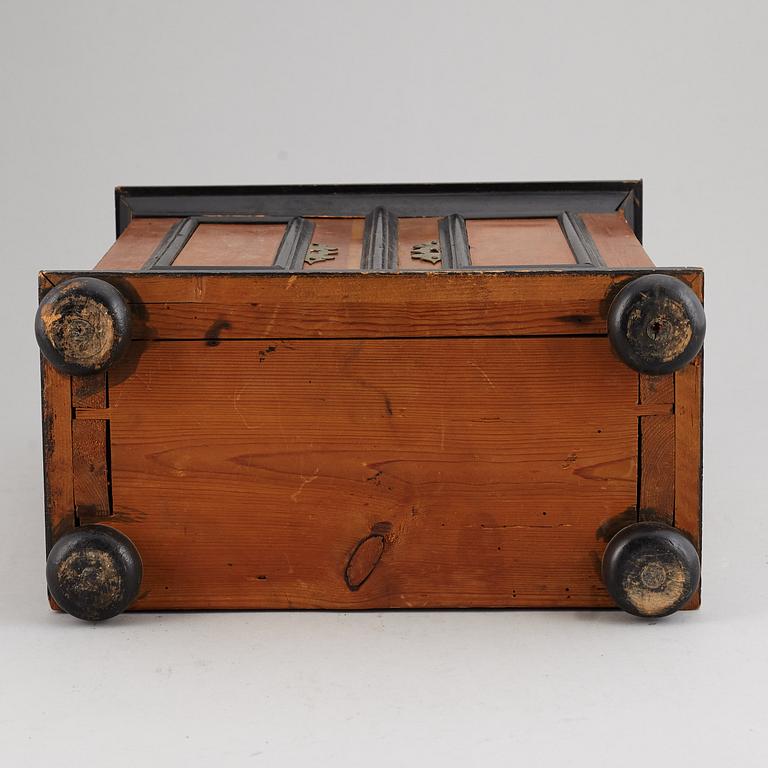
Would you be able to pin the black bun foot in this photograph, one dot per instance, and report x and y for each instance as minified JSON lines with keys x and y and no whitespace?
{"x":83,"y":326}
{"x":656,"y":324}
{"x":94,"y":572}
{"x":651,"y":569}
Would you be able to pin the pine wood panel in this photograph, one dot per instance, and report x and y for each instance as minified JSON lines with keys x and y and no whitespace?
{"x":657,"y":441}
{"x":615,"y":240}
{"x":89,"y":391}
{"x":557,"y":289}
{"x":657,"y":389}
{"x":57,"y":452}
{"x":249,"y":473}
{"x":89,"y":465}
{"x":136,"y":244}
{"x":369,"y":305}
{"x":505,"y":242}
{"x":688,"y":454}
{"x":231,"y":245}
{"x":657,"y":485}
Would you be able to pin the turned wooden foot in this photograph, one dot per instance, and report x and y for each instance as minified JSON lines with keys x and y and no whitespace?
{"x":656,"y":324}
{"x":651,"y":569}
{"x":94,"y":572}
{"x":83,"y":325}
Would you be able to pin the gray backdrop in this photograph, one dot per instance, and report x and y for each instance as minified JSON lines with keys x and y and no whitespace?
{"x":98,"y":94}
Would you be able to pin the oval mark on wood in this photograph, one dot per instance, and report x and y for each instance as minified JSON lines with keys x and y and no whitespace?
{"x":364,"y":558}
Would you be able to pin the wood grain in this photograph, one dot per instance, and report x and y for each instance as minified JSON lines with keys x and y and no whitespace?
{"x":57,"y":452}
{"x":657,"y":441}
{"x":231,"y":245}
{"x":657,"y":389}
{"x":89,"y":391}
{"x":434,"y":287}
{"x":506,"y":242}
{"x":89,"y":464}
{"x":688,"y":453}
{"x":249,"y":472}
{"x":688,"y":449}
{"x":615,"y":240}
{"x":191,"y":306}
{"x":657,"y":478}
{"x":132,"y":249}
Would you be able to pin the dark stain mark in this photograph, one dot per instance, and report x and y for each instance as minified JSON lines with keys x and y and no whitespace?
{"x":213,"y":333}
{"x":650,"y":515}
{"x":138,"y":310}
{"x":261,"y":578}
{"x":388,"y":405}
{"x":88,"y":510}
{"x":375,"y":478}
{"x":612,"y":292}
{"x":382,"y":529}
{"x":610,"y":527}
{"x":264,"y":352}
{"x":575,"y":319}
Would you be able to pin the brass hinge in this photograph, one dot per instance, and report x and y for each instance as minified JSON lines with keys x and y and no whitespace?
{"x":318,"y":252}
{"x":427,"y":252}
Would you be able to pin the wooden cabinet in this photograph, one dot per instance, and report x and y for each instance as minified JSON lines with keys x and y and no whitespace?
{"x":373,"y":397}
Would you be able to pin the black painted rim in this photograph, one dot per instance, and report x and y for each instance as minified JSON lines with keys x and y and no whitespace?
{"x":94,"y":572}
{"x":65,"y":295}
{"x":635,"y":311}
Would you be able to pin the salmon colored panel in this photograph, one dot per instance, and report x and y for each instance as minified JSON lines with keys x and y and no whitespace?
{"x":345,"y":235}
{"x":510,"y":242}
{"x":136,"y":244}
{"x":413,"y":232}
{"x":231,"y":245}
{"x":615,"y":240}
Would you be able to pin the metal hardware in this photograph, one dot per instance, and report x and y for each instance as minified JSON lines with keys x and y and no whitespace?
{"x":318,"y":252}
{"x":427,"y":252}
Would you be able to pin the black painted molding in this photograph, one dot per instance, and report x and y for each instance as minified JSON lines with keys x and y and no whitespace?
{"x":580,"y":241}
{"x":295,"y":244}
{"x":496,"y":200}
{"x":380,"y":241}
{"x":454,"y":243}
{"x":172,"y":244}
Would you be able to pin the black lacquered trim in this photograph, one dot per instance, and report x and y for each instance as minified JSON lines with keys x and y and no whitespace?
{"x":580,"y":241}
{"x":454,"y":243}
{"x":172,"y":244}
{"x":380,"y":241}
{"x":295,"y":244}
{"x":174,"y":241}
{"x":496,"y":200}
